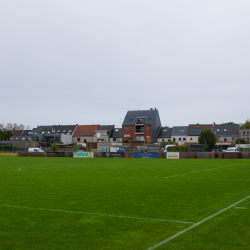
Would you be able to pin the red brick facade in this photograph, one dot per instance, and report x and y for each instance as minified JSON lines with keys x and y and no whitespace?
{"x":133,"y":135}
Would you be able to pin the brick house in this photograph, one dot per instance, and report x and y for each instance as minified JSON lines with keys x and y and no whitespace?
{"x":141,"y":126}
{"x":85,"y":133}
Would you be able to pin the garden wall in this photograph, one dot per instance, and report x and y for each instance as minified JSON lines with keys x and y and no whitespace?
{"x":188,"y":155}
{"x":33,"y":154}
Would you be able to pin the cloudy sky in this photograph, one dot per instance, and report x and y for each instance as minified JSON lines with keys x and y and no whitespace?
{"x":89,"y":62}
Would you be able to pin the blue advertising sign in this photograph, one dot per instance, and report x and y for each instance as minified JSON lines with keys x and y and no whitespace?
{"x":145,"y":155}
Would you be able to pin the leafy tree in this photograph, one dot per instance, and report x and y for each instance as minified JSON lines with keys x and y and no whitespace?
{"x":241,"y":141}
{"x":208,"y":138}
{"x":245,"y":125}
{"x":5,"y":135}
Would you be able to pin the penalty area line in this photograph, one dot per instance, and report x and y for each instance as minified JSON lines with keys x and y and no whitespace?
{"x":99,"y":214}
{"x":198,"y":171}
{"x":195,"y":225}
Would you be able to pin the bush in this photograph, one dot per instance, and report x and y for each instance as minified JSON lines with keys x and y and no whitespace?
{"x":75,"y":148}
{"x":181,"y":148}
{"x":54,"y":147}
{"x":48,"y":149}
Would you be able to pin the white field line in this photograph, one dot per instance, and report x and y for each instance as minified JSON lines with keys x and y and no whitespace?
{"x":199,"y":171}
{"x":109,"y":215}
{"x":195,"y":225}
{"x":225,"y":179}
{"x":240,"y":208}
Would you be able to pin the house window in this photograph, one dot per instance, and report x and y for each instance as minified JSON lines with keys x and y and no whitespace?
{"x":98,"y":135}
{"x":179,"y":139}
{"x":147,"y":128}
{"x":103,"y":133}
{"x":247,"y":132}
{"x":126,"y":135}
{"x":244,"y":132}
{"x":225,"y":129}
{"x":100,"y":140}
{"x":191,"y":139}
{"x":184,"y":139}
{"x":163,"y":139}
{"x":139,"y":138}
{"x":139,"y":129}
{"x":248,"y":138}
{"x":85,"y":140}
{"x":233,"y":138}
{"x":78,"y":139}
{"x":169,"y":139}
{"x":126,"y":128}
{"x":218,"y":129}
{"x":173,"y":139}
{"x":225,"y":139}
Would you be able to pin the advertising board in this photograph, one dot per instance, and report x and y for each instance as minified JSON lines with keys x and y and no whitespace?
{"x":83,"y":154}
{"x":145,"y":155}
{"x":55,"y":154}
{"x":173,"y":155}
{"x":113,"y":155}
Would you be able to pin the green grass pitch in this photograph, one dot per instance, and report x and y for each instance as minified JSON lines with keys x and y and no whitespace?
{"x":76,"y":203}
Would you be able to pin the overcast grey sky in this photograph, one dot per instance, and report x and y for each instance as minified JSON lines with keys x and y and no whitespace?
{"x":88,"y":62}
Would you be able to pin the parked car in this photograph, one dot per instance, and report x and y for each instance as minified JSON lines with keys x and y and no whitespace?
{"x":232,"y":149}
{"x":35,"y":150}
{"x":215,"y":150}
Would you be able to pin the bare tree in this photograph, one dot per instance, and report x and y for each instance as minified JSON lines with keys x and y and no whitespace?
{"x":9,"y":126}
{"x":1,"y":126}
{"x":20,"y":127}
{"x":28,"y":127}
{"x":15,"y":125}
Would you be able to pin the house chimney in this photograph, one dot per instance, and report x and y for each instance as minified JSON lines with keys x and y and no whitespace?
{"x":197,"y":124}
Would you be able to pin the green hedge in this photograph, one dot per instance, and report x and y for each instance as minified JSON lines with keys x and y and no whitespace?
{"x":6,"y":148}
{"x":181,"y":148}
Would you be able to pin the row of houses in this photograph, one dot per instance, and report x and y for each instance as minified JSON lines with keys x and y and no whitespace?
{"x":139,"y":127}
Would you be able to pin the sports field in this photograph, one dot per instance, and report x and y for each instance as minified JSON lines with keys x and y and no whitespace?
{"x":69,"y":203}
